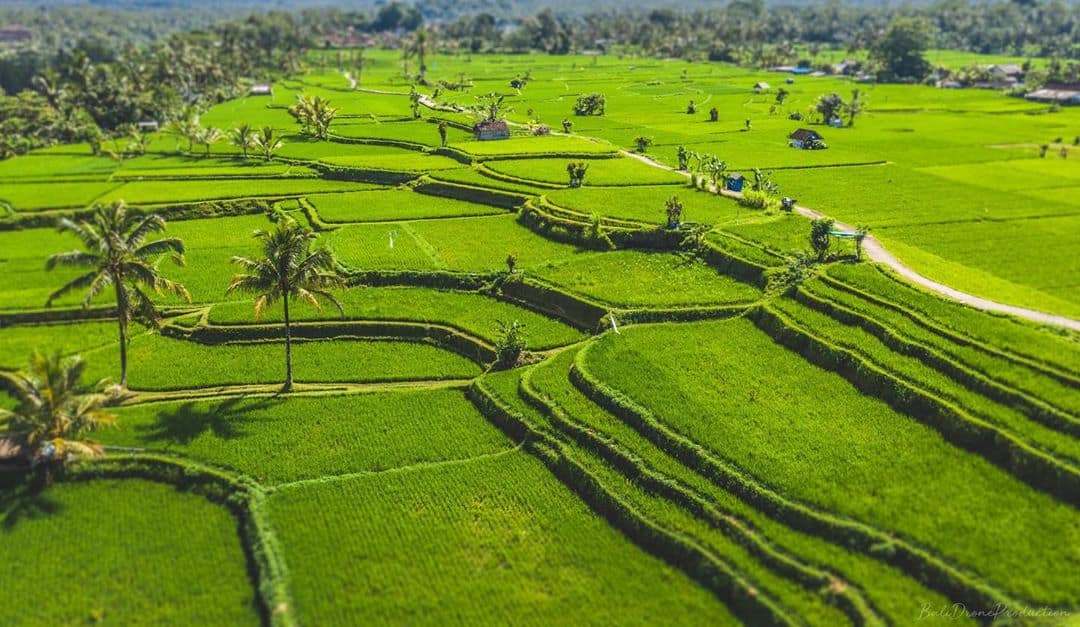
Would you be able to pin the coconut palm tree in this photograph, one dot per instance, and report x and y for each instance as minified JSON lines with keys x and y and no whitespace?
{"x":288,"y":269}
{"x":118,"y":255}
{"x":303,"y":112}
{"x":419,"y":47}
{"x":322,"y":114}
{"x":268,"y":143}
{"x":186,"y":128}
{"x":243,"y":137}
{"x":855,"y":106}
{"x":207,"y":136}
{"x":53,"y":411}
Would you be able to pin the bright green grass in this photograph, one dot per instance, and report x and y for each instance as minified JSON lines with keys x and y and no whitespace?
{"x":327,"y":435}
{"x":163,"y":192}
{"x":474,"y":313}
{"x":780,"y":234}
{"x":199,"y":365}
{"x":125,"y":552}
{"x":622,"y":171}
{"x":646,"y":203}
{"x":490,"y":541}
{"x":893,"y":593}
{"x":301,"y":147}
{"x":634,"y":278}
{"x":806,"y":603}
{"x":1040,"y":344}
{"x":207,"y":269}
{"x":482,"y":244}
{"x":17,"y":344}
{"x":469,"y":176}
{"x":533,"y":145}
{"x":393,"y":204}
{"x":1014,"y":373}
{"x":368,"y":247}
{"x":401,"y":160}
{"x":54,"y":195}
{"x":51,"y":167}
{"x":24,"y":282}
{"x":418,"y":131}
{"x":922,"y":376}
{"x":827,"y":444}
{"x":255,"y":169}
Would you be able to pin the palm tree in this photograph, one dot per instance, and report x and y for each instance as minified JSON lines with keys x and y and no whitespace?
{"x":322,"y":114}
{"x":855,"y":106}
{"x":243,"y":137}
{"x":303,"y":111}
{"x":116,"y":250}
{"x":186,"y":128}
{"x":53,"y":411}
{"x":209,"y":135}
{"x":268,"y":143}
{"x":419,"y":46}
{"x":288,"y":269}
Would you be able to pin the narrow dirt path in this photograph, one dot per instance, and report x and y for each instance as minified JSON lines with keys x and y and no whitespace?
{"x":877,"y":252}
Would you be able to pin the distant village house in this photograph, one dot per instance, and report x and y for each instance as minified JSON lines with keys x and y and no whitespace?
{"x":806,"y":139}
{"x":491,"y":129}
{"x":261,"y":89}
{"x":1057,"y":93}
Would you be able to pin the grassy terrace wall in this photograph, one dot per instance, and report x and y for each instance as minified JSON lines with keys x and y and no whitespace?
{"x":982,"y":383}
{"x":850,"y":599}
{"x":241,"y":495}
{"x":1031,"y":465}
{"x":912,"y":559}
{"x":680,"y":551}
{"x":442,"y":336}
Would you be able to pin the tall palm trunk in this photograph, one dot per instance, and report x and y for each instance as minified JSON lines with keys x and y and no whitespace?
{"x":121,"y":316}
{"x":288,"y":346}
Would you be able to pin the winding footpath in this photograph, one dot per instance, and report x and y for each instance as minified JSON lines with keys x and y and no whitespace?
{"x":877,"y":252}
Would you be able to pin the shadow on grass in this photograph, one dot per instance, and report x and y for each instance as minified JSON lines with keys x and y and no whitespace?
{"x":23,"y":496}
{"x":224,"y":419}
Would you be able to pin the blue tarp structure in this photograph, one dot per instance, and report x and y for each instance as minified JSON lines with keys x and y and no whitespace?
{"x":842,"y":234}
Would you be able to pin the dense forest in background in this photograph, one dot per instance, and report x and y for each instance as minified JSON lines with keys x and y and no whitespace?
{"x":90,"y":73}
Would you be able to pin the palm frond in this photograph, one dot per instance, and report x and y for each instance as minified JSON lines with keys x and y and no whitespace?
{"x":160,"y":247}
{"x":73,"y":258}
{"x":146,"y":225}
{"x":74,"y":284}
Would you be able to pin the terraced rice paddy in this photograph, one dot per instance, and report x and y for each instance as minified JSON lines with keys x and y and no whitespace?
{"x":684,"y":438}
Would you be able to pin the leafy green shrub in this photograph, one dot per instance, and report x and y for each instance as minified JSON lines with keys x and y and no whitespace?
{"x":758,"y":200}
{"x":819,"y":236}
{"x":591,"y":104}
{"x":510,"y":343}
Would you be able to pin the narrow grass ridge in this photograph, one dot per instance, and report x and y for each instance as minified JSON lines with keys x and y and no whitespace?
{"x":683,"y":552}
{"x":916,"y":561}
{"x":638,"y":471}
{"x":1006,"y":450}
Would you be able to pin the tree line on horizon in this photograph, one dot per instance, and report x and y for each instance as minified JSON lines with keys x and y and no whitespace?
{"x":96,"y":83}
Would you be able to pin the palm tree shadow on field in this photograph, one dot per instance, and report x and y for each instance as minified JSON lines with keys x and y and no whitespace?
{"x":224,"y":419}
{"x":23,"y":497}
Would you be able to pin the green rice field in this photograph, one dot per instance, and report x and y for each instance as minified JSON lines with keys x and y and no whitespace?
{"x":551,"y":404}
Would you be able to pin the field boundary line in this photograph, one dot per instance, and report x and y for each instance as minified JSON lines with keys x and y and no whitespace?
{"x":918,"y":562}
{"x":636,"y":468}
{"x":428,"y":250}
{"x":417,"y":467}
{"x":258,"y":390}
